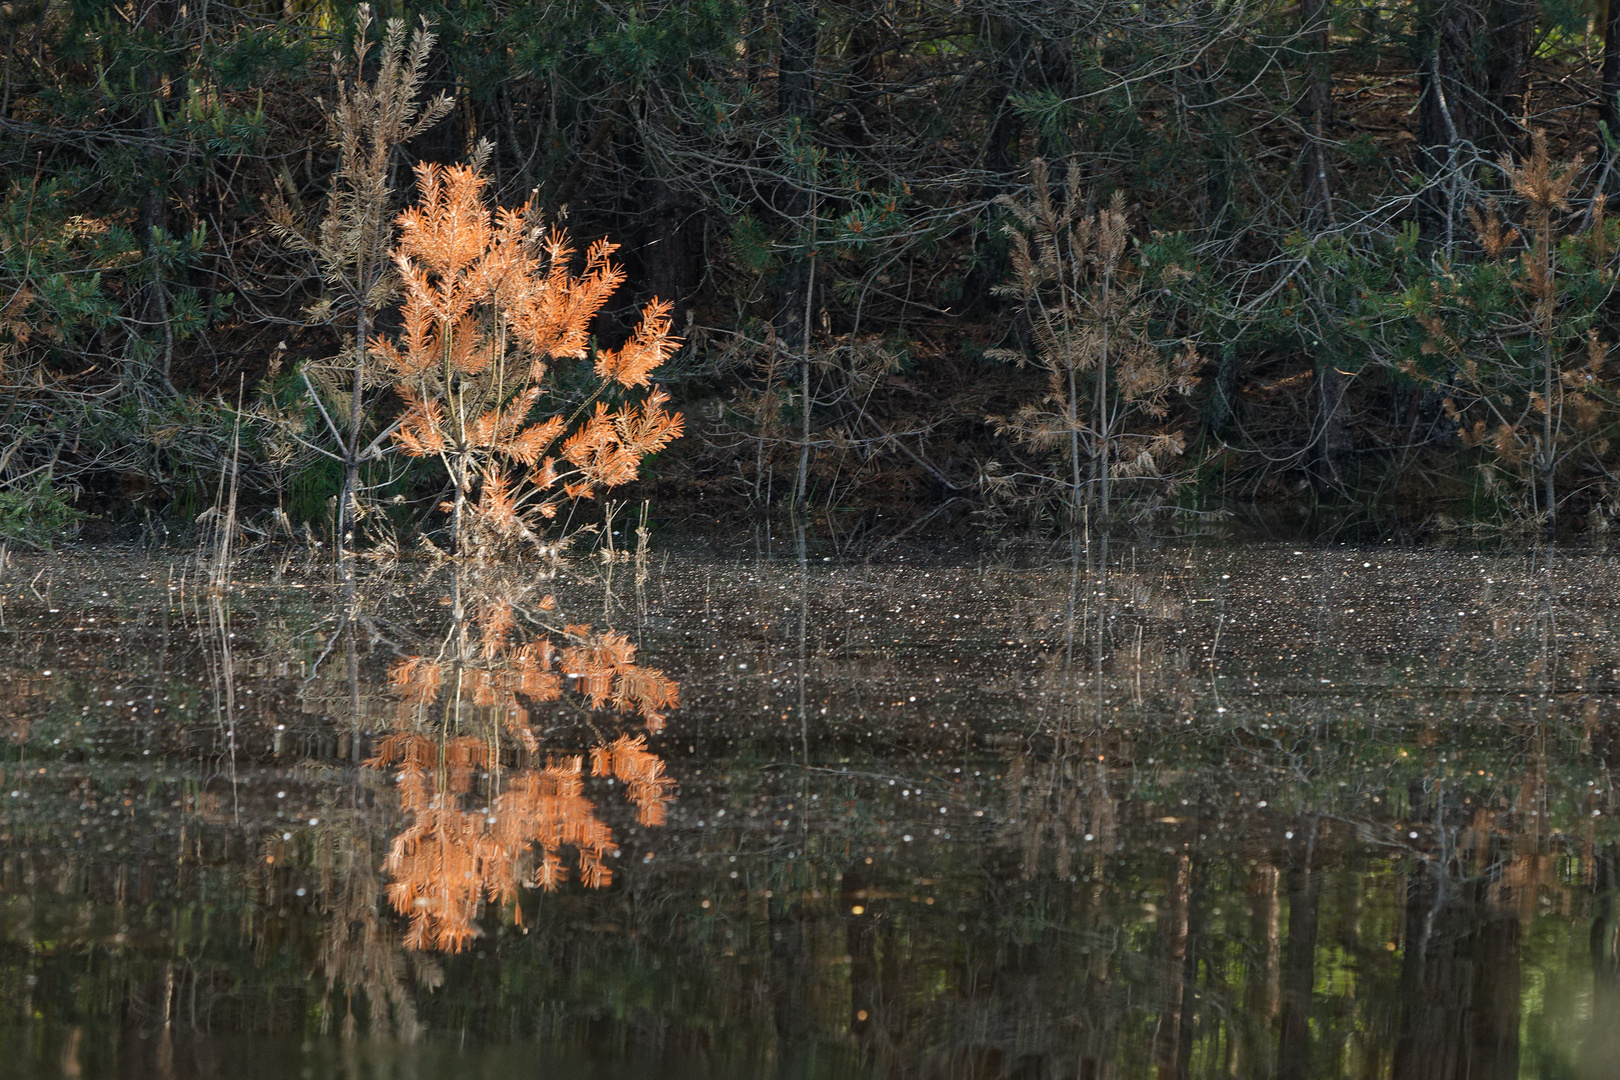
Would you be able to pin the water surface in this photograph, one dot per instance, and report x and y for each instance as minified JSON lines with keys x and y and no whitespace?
{"x":1231,"y":811}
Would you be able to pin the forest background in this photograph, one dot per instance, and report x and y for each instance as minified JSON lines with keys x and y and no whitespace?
{"x":1312,"y":254}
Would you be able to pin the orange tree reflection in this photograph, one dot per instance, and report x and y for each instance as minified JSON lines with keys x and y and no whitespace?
{"x":478,"y":831}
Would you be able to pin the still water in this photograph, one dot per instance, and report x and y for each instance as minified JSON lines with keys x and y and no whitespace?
{"x":1176,"y":811}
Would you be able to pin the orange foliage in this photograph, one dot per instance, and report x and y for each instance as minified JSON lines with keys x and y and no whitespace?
{"x":450,"y":860}
{"x":488,"y":305}
{"x":602,"y":664}
{"x":454,"y":856}
{"x":629,"y":761}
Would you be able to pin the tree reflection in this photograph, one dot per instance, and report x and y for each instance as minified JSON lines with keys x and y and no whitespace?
{"x":1326,"y":895}
{"x":477,"y":829}
{"x":1108,"y":826}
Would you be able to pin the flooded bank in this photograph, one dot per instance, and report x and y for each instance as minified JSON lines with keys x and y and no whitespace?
{"x":1233,"y":811}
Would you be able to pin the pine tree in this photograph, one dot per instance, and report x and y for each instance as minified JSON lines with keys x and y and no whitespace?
{"x":491,"y":307}
{"x":1074,"y":280}
{"x":353,"y":242}
{"x":1512,"y":337}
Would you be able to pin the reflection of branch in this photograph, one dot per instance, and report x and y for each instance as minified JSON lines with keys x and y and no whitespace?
{"x":452,"y":858}
{"x":358,"y":948}
{"x":935,"y":512}
{"x":449,"y":861}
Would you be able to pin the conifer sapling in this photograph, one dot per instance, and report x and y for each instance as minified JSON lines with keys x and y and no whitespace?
{"x":491,"y":306}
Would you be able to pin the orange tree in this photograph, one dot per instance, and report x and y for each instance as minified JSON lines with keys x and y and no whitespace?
{"x":491,"y":306}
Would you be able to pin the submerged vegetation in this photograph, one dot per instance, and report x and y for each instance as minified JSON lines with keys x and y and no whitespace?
{"x":1352,"y":255}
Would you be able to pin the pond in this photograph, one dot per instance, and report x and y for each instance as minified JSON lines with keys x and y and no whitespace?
{"x":1173,"y":810}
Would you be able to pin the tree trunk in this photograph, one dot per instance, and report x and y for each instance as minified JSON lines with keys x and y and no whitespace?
{"x":162,"y":98}
{"x":795,"y":99}
{"x":1333,"y":432}
{"x":1172,"y":1044}
{"x":1009,"y":48}
{"x":1461,"y":975}
{"x":1471,"y":83}
{"x":1316,"y":114}
{"x":860,"y":940}
{"x":1005,"y":122}
{"x":1260,"y":982}
{"x":1299,"y":965}
{"x":788,"y":977}
{"x":349,"y":497}
{"x":1214,"y":216}
{"x":672,"y":251}
{"x":862,"y":88}
{"x":1602,"y":1048}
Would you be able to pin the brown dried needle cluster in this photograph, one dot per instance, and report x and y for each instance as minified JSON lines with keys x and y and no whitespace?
{"x":490,"y":305}
{"x":450,"y":859}
{"x":353,"y":242}
{"x":1082,"y":294}
{"x":1527,"y":368}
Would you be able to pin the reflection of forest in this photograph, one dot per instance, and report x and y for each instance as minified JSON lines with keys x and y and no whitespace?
{"x":1054,"y":824}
